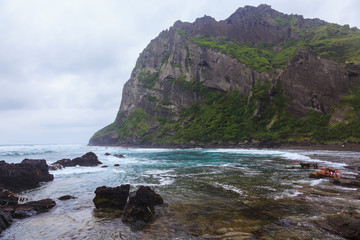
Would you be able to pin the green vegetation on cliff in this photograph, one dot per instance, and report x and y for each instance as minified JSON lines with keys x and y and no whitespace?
{"x":261,"y":57}
{"x":332,"y":41}
{"x":232,"y":118}
{"x":216,"y":116}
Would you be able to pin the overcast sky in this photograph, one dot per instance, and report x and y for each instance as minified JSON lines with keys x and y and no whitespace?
{"x":63,"y":63}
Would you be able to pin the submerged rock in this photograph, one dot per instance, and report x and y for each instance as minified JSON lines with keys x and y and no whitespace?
{"x":66,"y":197}
{"x":108,"y":197}
{"x":25,"y":175}
{"x":88,"y":160}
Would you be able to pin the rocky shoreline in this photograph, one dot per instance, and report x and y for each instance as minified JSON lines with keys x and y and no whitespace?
{"x":334,"y":215}
{"x":135,"y":206}
{"x":28,"y":175}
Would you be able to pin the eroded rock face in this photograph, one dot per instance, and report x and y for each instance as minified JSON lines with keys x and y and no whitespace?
{"x":25,"y":175}
{"x":313,"y":83}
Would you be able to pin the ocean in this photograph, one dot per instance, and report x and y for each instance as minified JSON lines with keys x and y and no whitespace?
{"x":208,"y":193}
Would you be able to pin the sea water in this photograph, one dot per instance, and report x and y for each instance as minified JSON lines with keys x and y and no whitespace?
{"x":208,"y":193}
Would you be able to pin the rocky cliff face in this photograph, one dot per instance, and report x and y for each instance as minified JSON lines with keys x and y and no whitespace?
{"x":187,"y":64}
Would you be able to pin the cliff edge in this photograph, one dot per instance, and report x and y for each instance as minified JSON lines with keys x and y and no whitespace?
{"x":257,"y":75}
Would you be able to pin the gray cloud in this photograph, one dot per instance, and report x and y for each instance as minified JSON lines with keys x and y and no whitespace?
{"x":63,"y":63}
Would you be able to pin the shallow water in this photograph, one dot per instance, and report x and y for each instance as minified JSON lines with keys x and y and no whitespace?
{"x":208,"y":193}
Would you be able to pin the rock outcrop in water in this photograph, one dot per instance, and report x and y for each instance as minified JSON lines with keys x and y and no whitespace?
{"x":25,"y":175}
{"x":88,"y":160}
{"x":137,"y":205}
{"x":141,"y":205}
{"x":259,"y":75}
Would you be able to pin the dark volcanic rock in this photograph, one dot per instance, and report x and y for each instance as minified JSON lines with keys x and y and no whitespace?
{"x":145,"y":196}
{"x":89,"y":159}
{"x":119,"y":156}
{"x":141,"y":205}
{"x":25,"y":175}
{"x":5,"y":220}
{"x":107,"y":197}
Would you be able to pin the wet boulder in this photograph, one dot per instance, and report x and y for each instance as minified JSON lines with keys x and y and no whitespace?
{"x":25,"y":175}
{"x":87,"y":160}
{"x":119,"y":155}
{"x":141,"y":205}
{"x":108,"y":197}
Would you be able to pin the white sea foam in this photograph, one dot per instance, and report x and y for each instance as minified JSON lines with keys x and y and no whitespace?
{"x":76,"y":170}
{"x":316,"y":182}
{"x":294,"y":156}
{"x":228,"y":187}
{"x":158,"y":171}
{"x":346,"y":188}
{"x":288,"y":193}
